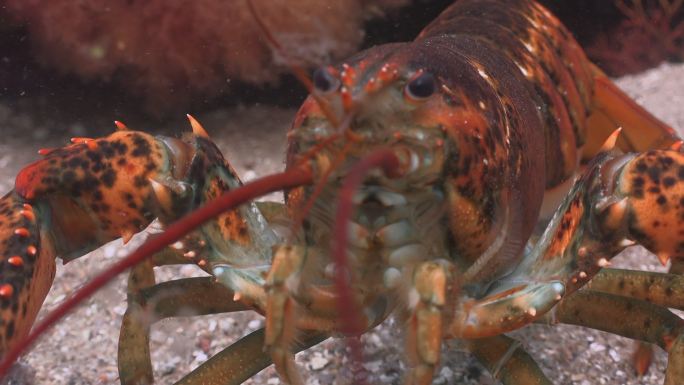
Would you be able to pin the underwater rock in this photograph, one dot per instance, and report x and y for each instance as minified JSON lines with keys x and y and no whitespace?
{"x":169,"y":52}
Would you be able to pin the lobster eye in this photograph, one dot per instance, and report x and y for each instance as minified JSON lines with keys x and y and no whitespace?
{"x":421,"y":87}
{"x":324,"y":82}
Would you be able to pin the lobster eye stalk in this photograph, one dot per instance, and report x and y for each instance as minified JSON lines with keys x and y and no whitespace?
{"x":324,"y":82}
{"x":421,"y":86}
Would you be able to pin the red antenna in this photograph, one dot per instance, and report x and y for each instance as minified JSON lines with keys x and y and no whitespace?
{"x":174,"y":232}
{"x":388,"y":161}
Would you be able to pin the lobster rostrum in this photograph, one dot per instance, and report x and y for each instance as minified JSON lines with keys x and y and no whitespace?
{"x":427,"y":166}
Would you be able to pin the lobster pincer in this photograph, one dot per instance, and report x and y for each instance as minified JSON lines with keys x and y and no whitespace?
{"x":86,"y":194}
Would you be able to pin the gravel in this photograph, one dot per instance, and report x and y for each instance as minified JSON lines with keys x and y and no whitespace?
{"x":81,"y":349}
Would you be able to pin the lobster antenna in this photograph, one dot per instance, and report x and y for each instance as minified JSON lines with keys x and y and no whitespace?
{"x":298,"y":71}
{"x":174,"y":232}
{"x":388,"y":161}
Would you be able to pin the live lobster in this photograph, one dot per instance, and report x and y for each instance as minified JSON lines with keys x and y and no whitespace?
{"x":426,"y":166}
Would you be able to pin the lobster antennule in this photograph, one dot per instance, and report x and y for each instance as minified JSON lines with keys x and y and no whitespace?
{"x":174,"y":232}
{"x":297,"y":70}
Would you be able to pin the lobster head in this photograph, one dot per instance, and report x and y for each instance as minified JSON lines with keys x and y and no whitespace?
{"x":447,"y":119}
{"x":365,"y":104}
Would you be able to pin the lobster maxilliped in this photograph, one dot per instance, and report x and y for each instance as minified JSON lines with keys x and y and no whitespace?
{"x":485,"y":119}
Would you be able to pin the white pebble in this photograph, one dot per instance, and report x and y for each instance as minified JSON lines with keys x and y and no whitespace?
{"x":596,"y":347}
{"x":614,"y":355}
{"x":254,"y":324}
{"x":318,"y":362}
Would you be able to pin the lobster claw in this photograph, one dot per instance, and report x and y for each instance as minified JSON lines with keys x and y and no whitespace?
{"x":505,"y":310}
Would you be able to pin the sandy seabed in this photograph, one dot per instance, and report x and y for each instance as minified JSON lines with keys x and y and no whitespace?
{"x":81,"y":349}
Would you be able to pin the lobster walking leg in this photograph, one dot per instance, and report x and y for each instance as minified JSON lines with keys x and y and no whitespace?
{"x":190,"y":296}
{"x":508,"y":362}
{"x":675,"y":363}
{"x":661,"y":289}
{"x":243,"y":359}
{"x":135,"y":366}
{"x":425,"y":333}
{"x":281,"y":307}
{"x":626,"y":317}
{"x":629,"y":318}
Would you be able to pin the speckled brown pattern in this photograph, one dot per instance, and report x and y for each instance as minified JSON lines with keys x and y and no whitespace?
{"x":655,"y":183}
{"x":109,"y":178}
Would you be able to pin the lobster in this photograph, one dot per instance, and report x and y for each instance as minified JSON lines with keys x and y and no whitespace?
{"x":427,"y":166}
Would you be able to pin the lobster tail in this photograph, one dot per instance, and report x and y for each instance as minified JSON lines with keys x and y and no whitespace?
{"x":612,"y":108}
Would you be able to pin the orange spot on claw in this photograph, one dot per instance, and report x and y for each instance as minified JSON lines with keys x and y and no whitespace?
{"x":31,"y":250}
{"x":27,"y":206}
{"x":6,"y":290}
{"x":22,"y":232}
{"x":16,"y":261}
